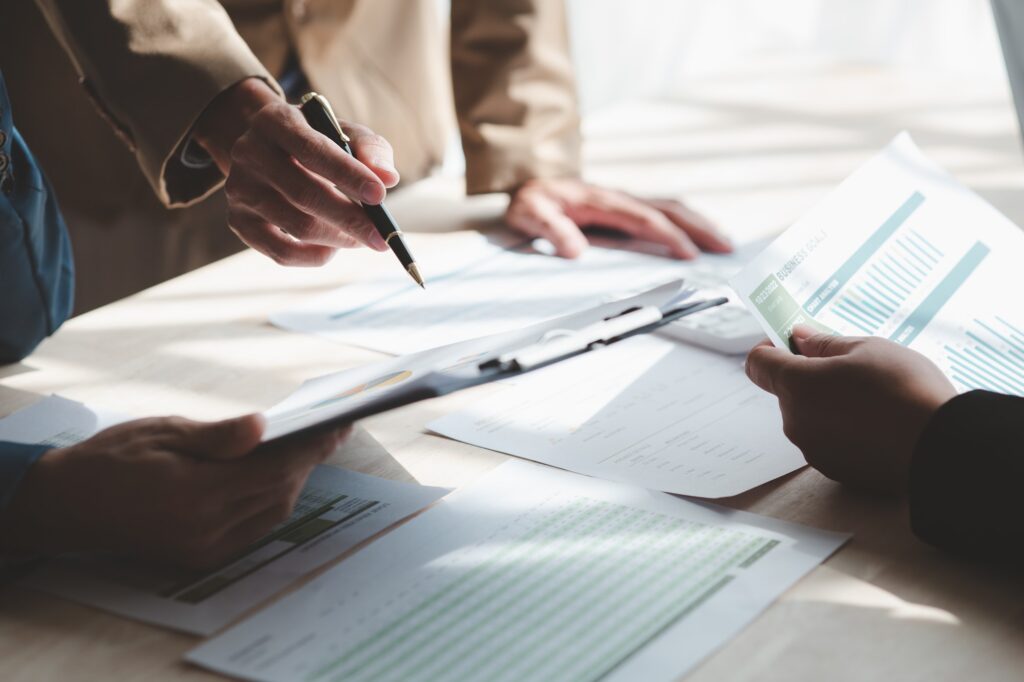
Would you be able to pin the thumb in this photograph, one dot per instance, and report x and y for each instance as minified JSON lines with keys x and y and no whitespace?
{"x":226,"y":439}
{"x":812,"y":343}
{"x":766,"y":366}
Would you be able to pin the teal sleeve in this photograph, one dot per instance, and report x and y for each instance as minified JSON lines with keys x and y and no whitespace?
{"x":36,"y":268}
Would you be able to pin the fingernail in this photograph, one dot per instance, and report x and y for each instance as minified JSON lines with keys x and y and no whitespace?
{"x":574,"y":248}
{"x":803,"y":331}
{"x":383,"y":164}
{"x":370,"y":191}
{"x":378,"y":242}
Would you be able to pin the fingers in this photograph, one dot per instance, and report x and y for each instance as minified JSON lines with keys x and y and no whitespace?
{"x":537,"y":215}
{"x":235,"y":502}
{"x":324,"y":218}
{"x":374,"y":151}
{"x":811,"y":343}
{"x":315,"y":444}
{"x":269,"y":240}
{"x":635,"y":218}
{"x":555,"y":210}
{"x":261,"y":511}
{"x":701,"y":230}
{"x":304,"y":205}
{"x":226,"y":439}
{"x":284,"y":126}
{"x":272,"y":187}
{"x":275,"y":465}
{"x":766,"y":366}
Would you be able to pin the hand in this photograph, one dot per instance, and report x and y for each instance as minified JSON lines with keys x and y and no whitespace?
{"x":854,"y":406}
{"x":190,"y":492}
{"x":293,"y":194}
{"x":556,"y":210}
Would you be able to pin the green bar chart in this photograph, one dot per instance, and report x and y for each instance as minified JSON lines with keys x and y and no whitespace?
{"x":567,"y":600}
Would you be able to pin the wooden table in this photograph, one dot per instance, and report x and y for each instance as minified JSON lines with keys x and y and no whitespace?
{"x":752,"y":151}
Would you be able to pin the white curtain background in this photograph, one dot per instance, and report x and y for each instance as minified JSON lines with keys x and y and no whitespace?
{"x":655,"y":49}
{"x":627,"y":49}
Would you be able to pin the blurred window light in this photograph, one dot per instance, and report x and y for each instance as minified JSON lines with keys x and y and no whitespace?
{"x":652,"y":48}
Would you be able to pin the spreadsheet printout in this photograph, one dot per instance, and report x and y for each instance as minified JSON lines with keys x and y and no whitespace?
{"x":530,"y":573}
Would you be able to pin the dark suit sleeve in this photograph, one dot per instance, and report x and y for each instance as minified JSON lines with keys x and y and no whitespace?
{"x":966,"y":477}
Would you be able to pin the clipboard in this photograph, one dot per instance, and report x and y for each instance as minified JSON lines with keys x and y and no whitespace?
{"x":464,"y":365}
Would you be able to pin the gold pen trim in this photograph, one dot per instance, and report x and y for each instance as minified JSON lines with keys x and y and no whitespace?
{"x":387,"y":240}
{"x":414,"y":272}
{"x":327,"y":107}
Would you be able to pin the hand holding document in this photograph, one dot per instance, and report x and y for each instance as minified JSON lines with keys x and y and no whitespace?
{"x":903,"y":251}
{"x":336,"y":510}
{"x":531,"y":573}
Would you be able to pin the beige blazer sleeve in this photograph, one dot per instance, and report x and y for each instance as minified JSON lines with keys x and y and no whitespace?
{"x":152,"y":67}
{"x":515,"y":95}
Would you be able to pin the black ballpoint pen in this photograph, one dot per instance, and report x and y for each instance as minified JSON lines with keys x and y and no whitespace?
{"x":321,"y":118}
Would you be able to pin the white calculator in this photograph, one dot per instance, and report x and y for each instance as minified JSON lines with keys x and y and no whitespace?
{"x":728,"y":329}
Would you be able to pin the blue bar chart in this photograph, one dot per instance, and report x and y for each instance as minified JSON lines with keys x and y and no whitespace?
{"x":863,"y":255}
{"x":888,"y":282}
{"x":896,"y":277}
{"x":926,"y":310}
{"x":990,"y":358}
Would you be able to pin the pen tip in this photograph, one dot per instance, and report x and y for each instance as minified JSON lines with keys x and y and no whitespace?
{"x":414,"y":272}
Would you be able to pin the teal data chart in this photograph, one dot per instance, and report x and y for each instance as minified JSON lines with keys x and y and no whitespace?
{"x":897,"y":284}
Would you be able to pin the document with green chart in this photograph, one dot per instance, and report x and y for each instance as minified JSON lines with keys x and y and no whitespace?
{"x":532,"y":573}
{"x":903,"y":251}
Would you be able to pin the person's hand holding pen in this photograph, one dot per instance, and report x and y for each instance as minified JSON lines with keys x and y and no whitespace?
{"x":292,"y":194}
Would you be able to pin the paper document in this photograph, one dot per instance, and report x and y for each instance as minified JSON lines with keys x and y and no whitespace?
{"x":57,"y":422}
{"x":903,"y":251}
{"x":646,"y":411}
{"x":530,"y":574}
{"x":484,"y":289}
{"x":336,"y":510}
